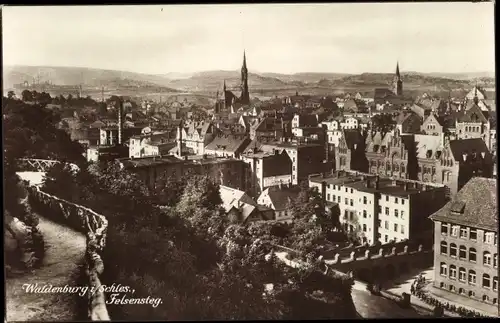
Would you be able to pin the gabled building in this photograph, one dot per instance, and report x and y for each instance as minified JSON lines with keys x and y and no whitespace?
{"x":350,"y":152}
{"x":241,"y":208}
{"x":466,"y":245}
{"x":408,"y":122}
{"x":196,"y":135}
{"x":227,"y":145}
{"x":279,"y":199}
{"x":473,"y":123}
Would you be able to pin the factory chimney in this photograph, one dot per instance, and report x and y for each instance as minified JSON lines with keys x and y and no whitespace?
{"x":120,"y":122}
{"x":179,"y":139}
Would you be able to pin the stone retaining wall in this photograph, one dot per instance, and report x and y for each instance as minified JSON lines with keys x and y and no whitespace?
{"x":94,"y":226}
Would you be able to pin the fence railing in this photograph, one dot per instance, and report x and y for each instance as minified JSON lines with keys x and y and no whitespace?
{"x":94,"y":226}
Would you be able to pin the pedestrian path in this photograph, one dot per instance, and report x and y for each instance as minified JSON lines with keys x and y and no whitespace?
{"x":65,"y":249}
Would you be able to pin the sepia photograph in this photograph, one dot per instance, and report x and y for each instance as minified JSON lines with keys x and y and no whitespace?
{"x":250,"y":162}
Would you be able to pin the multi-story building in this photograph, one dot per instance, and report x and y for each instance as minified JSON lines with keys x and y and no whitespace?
{"x":466,"y":243}
{"x":267,"y":169}
{"x":408,"y":122}
{"x":427,"y":158}
{"x":350,"y":151}
{"x":151,"y":144}
{"x":307,"y":158}
{"x":226,"y":145}
{"x":155,"y":171}
{"x":381,"y":209}
{"x":196,"y":135}
{"x":473,"y":124}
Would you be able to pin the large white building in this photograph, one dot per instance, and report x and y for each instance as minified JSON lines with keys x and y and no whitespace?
{"x":381,"y":209}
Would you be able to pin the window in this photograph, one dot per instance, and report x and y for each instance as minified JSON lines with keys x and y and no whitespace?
{"x":333,"y":198}
{"x":495,"y":283}
{"x":386,"y":211}
{"x":472,"y":277}
{"x":351,"y":203}
{"x":488,"y":237}
{"x":338,"y":199}
{"x":461,"y":291}
{"x":395,"y":227}
{"x":387,"y":198}
{"x":386,"y":238}
{"x":345,"y":214}
{"x":473,"y":234}
{"x":402,"y":215}
{"x":379,"y":223}
{"x":495,"y":260}
{"x":462,"y":275}
{"x":364,"y":227}
{"x":379,"y":236}
{"x":462,"y":254}
{"x":402,"y":229}
{"x":364,"y":214}
{"x":364,"y":199}
{"x":351,"y":190}
{"x":346,"y":189}
{"x":387,"y":225}
{"x":453,"y":250}
{"x":453,"y":272}
{"x":396,"y":200}
{"x":486,"y":281}
{"x":487,"y":258}
{"x":396,"y":213}
{"x":443,"y":271}
{"x":328,"y":197}
{"x":346,"y":201}
{"x":463,"y":233}
{"x":454,"y":230}
{"x":472,"y":254}
{"x":452,"y":288}
{"x":444,"y":248}
{"x":444,"y":228}
{"x":485,"y":298}
{"x":472,"y":294}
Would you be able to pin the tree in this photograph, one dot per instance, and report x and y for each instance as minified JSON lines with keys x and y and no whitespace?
{"x":11,"y":95}
{"x":27,"y":96}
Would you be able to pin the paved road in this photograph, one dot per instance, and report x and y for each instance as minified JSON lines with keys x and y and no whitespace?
{"x":368,"y":305}
{"x":65,"y":249}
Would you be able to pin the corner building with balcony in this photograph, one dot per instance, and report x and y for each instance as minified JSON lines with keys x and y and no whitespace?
{"x":466,"y":243}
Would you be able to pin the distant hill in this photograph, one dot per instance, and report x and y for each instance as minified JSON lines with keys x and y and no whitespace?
{"x":88,"y":77}
{"x":208,"y":82}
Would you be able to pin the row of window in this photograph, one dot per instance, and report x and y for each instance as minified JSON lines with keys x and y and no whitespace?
{"x":397,"y":213}
{"x":468,"y":233}
{"x":471,"y":293}
{"x":487,"y":282}
{"x":472,"y":129}
{"x":461,"y":253}
{"x":396,"y":226}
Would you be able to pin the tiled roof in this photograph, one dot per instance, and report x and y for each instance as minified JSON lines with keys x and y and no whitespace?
{"x":473,"y":114}
{"x":228,"y":143}
{"x":467,"y":146}
{"x":480,"y":210}
{"x":280,"y":197}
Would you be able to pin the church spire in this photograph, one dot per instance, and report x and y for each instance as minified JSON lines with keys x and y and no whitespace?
{"x":224,"y":86}
{"x":476,"y":99}
{"x":397,"y":70}
{"x":244,"y":60}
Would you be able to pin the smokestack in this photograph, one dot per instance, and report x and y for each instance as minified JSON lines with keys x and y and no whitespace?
{"x":120,"y":125}
{"x":179,"y":139}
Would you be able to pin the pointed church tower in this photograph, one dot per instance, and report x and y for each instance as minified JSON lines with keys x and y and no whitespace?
{"x":398,"y":83}
{"x":245,"y":95}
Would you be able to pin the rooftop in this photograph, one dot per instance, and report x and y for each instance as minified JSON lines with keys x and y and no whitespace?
{"x":475,"y":205}
{"x":169,"y":159}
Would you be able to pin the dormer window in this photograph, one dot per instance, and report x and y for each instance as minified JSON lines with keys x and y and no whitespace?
{"x":457,"y":207}
{"x":429,"y":153}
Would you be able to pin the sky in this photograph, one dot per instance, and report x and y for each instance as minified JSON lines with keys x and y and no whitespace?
{"x":281,"y":38}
